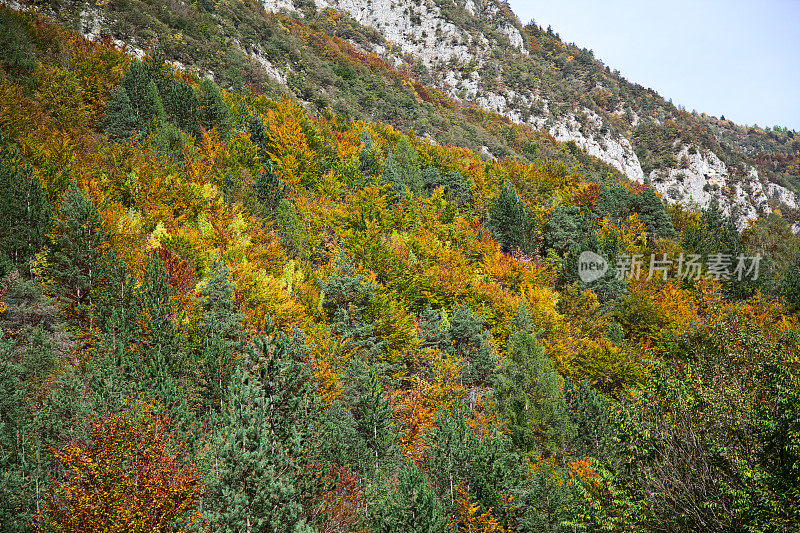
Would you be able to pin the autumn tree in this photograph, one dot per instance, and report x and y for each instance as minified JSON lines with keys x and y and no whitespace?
{"x":131,"y":476}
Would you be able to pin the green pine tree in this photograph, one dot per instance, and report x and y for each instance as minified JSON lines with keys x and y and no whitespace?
{"x":143,"y":95}
{"x":258,"y":134}
{"x":374,"y":423}
{"x":652,"y":213}
{"x":432,"y":329}
{"x":458,"y":455}
{"x":222,"y":333}
{"x":393,"y":176}
{"x":121,"y":120}
{"x":509,"y":220}
{"x":457,"y":187}
{"x":591,"y":413}
{"x":566,"y":229}
{"x":17,"y":484}
{"x":260,"y":474}
{"x":214,"y":112}
{"x":411,"y":506}
{"x":368,"y":155}
{"x":347,"y":301}
{"x":287,"y":224}
{"x":24,"y":212}
{"x":529,"y":392}
{"x":269,"y":190}
{"x":467,"y":339}
{"x":408,"y":162}
{"x":164,"y":366}
{"x":74,"y":253}
{"x":616,"y":202}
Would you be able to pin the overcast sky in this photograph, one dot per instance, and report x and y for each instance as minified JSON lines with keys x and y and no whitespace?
{"x":735,"y":58}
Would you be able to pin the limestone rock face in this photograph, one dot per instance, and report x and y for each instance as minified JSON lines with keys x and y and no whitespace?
{"x":615,"y":150}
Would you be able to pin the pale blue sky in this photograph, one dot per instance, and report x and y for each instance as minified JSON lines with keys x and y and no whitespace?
{"x":735,"y":58}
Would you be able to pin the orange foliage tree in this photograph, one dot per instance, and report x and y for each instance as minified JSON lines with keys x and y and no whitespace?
{"x":131,"y":477}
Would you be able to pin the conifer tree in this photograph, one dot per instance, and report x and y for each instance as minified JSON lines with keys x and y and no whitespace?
{"x":287,"y":223}
{"x":452,"y":182}
{"x":615,"y":202}
{"x":467,"y":339}
{"x":367,"y":155}
{"x":596,"y":430}
{"x":17,"y":494}
{"x":222,"y":333}
{"x":529,"y":392}
{"x":338,"y":441}
{"x":180,"y":100}
{"x":269,"y":190}
{"x":408,"y":162}
{"x":24,"y":212}
{"x":459,"y":454}
{"x":457,"y":187}
{"x":431,"y":178}
{"x":509,"y":220}
{"x":411,"y":506}
{"x":433,"y":330}
{"x":214,"y":112}
{"x":74,"y":252}
{"x":566,"y":229}
{"x":258,"y":135}
{"x":393,"y":177}
{"x":143,"y":95}
{"x":347,"y":302}
{"x":163,"y":364}
{"x":450,"y":451}
{"x":373,"y":415}
{"x":652,"y":213}
{"x":261,"y":475}
{"x":121,"y":120}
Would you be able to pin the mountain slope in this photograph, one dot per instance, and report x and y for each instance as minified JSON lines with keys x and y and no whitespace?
{"x":478,"y":54}
{"x":225,"y":311}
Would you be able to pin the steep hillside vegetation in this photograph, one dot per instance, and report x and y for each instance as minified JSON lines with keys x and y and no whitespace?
{"x":222,"y":310}
{"x":408,"y":63}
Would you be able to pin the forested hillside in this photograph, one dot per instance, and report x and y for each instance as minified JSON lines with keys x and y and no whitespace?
{"x":465,"y":73}
{"x":222,"y":310}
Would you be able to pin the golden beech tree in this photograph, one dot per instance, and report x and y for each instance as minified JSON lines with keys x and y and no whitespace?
{"x":470,"y":519}
{"x":131,"y":477}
